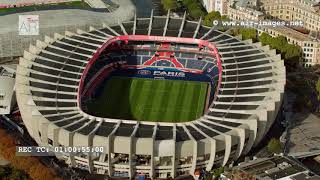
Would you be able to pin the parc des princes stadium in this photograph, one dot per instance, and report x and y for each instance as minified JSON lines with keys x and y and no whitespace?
{"x":242,"y":84}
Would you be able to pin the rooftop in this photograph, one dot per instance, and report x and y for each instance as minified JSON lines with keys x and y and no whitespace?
{"x":276,"y":167}
{"x":304,"y":136}
{"x":312,"y":2}
{"x":7,"y":71}
{"x":289,"y":32}
{"x":248,"y":5}
{"x":7,"y":75}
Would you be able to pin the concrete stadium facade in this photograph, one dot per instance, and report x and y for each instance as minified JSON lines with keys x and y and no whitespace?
{"x":246,"y":104}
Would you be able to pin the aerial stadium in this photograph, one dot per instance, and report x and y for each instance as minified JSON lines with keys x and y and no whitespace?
{"x":163,"y":95}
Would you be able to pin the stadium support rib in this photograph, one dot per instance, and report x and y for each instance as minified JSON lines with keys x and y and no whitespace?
{"x":194,"y":152}
{"x":78,"y":53}
{"x":216,"y":37}
{"x":76,"y":46}
{"x":228,"y":145}
{"x":227,"y":142}
{"x":212,"y":147}
{"x":155,"y":128}
{"x":198,"y":27}
{"x":90,"y":38}
{"x":109,"y":143}
{"x":166,"y":25}
{"x":207,"y":33}
{"x":213,"y":152}
{"x":123,"y":29}
{"x":134,"y":24}
{"x":150,"y":23}
{"x":79,"y":32}
{"x":131,"y":168}
{"x":72,"y":39}
{"x":110,"y":146}
{"x":94,"y":29}
{"x":110,"y":29}
{"x":90,"y":143}
{"x":182,"y":24}
{"x":174,"y":162}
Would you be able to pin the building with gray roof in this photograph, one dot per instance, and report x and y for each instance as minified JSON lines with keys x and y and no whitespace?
{"x":277,"y":167}
{"x":7,"y":90}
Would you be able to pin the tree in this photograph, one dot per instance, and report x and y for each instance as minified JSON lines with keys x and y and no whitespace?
{"x":188,"y":2}
{"x":209,"y":18}
{"x":279,"y":43}
{"x":195,"y":10}
{"x":274,"y":146}
{"x":318,"y":88}
{"x":9,"y":172}
{"x":3,"y":172}
{"x":265,"y":38}
{"x":292,"y":52}
{"x":18,"y":174}
{"x":248,"y":33}
{"x":217,"y":172}
{"x":169,"y":4}
{"x":30,"y":165}
{"x":224,"y":18}
{"x":196,"y":13}
{"x":289,"y":52}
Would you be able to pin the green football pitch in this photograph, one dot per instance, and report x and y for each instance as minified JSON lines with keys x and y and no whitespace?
{"x":150,"y":100}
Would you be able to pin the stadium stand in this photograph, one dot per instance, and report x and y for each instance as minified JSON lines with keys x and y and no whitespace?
{"x":245,"y":105}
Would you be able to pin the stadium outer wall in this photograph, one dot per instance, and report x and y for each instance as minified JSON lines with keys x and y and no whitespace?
{"x":247,"y":103}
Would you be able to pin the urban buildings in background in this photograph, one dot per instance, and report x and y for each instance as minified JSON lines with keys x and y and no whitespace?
{"x":307,"y":11}
{"x":244,"y":10}
{"x":289,"y":10}
{"x":216,"y":5}
{"x":310,"y":46}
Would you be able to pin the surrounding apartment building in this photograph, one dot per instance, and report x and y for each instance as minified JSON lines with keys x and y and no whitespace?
{"x":244,"y":10}
{"x":310,"y":46}
{"x":216,"y":5}
{"x":307,"y":11}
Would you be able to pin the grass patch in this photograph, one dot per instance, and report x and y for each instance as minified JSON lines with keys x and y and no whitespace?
{"x":150,"y":100}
